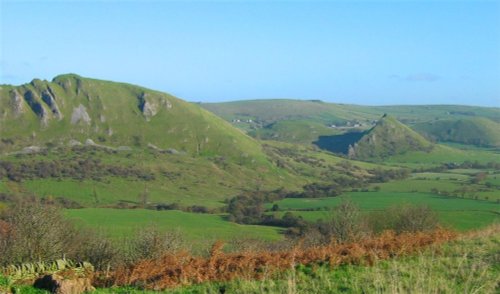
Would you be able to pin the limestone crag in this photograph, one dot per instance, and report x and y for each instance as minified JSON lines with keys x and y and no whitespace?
{"x":80,"y":115}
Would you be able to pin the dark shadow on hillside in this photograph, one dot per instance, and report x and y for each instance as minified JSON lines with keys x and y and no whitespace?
{"x":338,"y":143}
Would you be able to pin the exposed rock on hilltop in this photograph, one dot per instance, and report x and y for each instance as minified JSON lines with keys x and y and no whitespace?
{"x":72,"y":108}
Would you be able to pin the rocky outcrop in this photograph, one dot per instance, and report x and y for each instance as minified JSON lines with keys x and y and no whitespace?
{"x":58,"y":284}
{"x":150,"y":107}
{"x":33,"y":101}
{"x":90,"y":142}
{"x":17,"y":103}
{"x":49,"y":99}
{"x":74,"y":142}
{"x":147,"y":108}
{"x":169,"y":150}
{"x":80,"y":115}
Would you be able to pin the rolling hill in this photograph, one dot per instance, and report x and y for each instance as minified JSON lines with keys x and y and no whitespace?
{"x":305,"y":121}
{"x":97,"y":128}
{"x":473,"y":131}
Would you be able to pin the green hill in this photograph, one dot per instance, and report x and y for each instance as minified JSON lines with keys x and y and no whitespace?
{"x":473,"y":131}
{"x":308,"y":121}
{"x":272,"y":110}
{"x":103,"y":131}
{"x":387,"y":138}
{"x":71,"y":110}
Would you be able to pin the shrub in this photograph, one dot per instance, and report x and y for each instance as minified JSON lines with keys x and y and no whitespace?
{"x":36,"y":232}
{"x":153,"y":243}
{"x":345,"y":223}
{"x":403,"y":218}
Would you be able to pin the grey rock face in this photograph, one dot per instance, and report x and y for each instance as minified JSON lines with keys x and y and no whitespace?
{"x":50,"y":100}
{"x":150,"y":107}
{"x":33,"y":101}
{"x":80,"y":115}
{"x":17,"y":103}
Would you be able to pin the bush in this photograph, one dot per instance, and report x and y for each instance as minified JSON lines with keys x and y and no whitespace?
{"x":406,"y":218}
{"x":345,"y":223}
{"x":153,"y":243}
{"x":35,"y":232}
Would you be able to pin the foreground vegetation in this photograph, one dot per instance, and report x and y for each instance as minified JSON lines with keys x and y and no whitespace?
{"x":166,"y":180}
{"x":467,"y":265}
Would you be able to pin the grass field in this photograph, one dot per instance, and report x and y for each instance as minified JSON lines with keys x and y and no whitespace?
{"x":442,"y":154}
{"x":380,"y":200}
{"x":196,"y":227}
{"x":458,"y":213}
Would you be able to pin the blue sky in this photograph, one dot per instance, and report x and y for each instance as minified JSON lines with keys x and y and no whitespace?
{"x":364,"y":52}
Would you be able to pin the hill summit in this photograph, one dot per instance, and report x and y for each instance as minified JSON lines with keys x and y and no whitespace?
{"x":387,"y":138}
{"x":73,"y":110}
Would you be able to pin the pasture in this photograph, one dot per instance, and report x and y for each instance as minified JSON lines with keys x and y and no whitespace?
{"x":458,"y":213}
{"x":196,"y":227}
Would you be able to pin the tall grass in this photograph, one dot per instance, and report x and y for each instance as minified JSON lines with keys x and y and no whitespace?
{"x":183,"y":269}
{"x":470,"y":264}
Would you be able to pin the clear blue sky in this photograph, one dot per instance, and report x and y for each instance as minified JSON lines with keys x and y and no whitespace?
{"x":371,"y":52}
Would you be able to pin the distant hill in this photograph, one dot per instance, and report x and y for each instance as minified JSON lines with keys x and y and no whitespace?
{"x":75,"y":110}
{"x":308,"y":121}
{"x":272,"y":110}
{"x":473,"y":131}
{"x":387,"y":138}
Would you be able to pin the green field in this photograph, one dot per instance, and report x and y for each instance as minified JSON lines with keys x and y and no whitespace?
{"x":461,"y":214}
{"x":195,"y":227}
{"x":380,"y":200}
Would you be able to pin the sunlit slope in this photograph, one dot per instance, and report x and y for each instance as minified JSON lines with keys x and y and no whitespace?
{"x":387,"y":138}
{"x":272,"y":110}
{"x":71,"y":107}
{"x":473,"y":131}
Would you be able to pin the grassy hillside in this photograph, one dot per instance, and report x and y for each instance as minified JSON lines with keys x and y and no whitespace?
{"x":387,"y":138}
{"x":294,"y":131}
{"x":269,"y":111}
{"x":71,"y":107}
{"x":286,"y":120}
{"x":285,"y":109}
{"x":474,"y":131}
{"x":93,"y":127}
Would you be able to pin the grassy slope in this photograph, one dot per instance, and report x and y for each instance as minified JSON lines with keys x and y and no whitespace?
{"x":284,"y":109}
{"x":476,"y":131}
{"x":116,"y":119}
{"x":296,"y":131}
{"x":313,"y":114}
{"x":216,"y":161}
{"x":387,"y":138}
{"x":178,"y":179}
{"x":442,"y":154}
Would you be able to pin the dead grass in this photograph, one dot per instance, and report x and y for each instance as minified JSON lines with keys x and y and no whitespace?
{"x":174,"y":270}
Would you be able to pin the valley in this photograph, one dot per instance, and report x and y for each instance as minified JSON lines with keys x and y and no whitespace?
{"x":116,"y":158}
